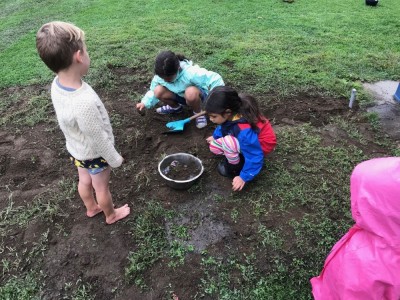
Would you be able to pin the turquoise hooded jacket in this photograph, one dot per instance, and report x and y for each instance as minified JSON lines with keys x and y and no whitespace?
{"x":188,"y":75}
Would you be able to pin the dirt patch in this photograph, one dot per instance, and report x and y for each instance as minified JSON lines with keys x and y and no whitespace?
{"x":34,"y":160}
{"x":306,"y":109}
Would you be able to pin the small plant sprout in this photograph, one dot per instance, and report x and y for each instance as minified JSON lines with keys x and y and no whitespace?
{"x":137,"y":134}
{"x":234,"y":215}
{"x":142,"y":179}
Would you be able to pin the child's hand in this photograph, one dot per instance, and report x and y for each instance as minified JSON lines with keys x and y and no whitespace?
{"x":238,"y":183}
{"x":209,"y":139}
{"x":140,"y":108}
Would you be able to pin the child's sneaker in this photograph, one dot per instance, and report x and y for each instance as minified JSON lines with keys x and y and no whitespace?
{"x":201,"y":122}
{"x":166,"y":109}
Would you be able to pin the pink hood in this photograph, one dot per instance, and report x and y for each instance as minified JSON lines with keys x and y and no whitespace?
{"x":375,"y":198}
{"x":365,"y":263}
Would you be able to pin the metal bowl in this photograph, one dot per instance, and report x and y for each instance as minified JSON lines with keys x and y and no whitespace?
{"x":183,"y":158}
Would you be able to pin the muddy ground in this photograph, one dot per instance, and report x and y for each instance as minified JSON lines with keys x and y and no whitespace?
{"x":33,"y":160}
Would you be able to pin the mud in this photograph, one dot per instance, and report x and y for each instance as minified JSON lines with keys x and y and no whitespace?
{"x":34,"y":161}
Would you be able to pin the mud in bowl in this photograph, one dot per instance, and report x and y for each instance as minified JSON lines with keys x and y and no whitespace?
{"x":180,"y":170}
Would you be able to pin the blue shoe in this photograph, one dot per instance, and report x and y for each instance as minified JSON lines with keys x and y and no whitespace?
{"x":166,"y":110}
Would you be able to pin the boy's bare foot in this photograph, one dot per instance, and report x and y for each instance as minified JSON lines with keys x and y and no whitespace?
{"x":119,"y":213}
{"x":92,"y":213}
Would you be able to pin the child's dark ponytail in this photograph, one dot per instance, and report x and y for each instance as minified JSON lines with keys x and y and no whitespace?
{"x":250,"y":110}
{"x":222,"y":98}
{"x":167,"y":63}
{"x":181,"y":57}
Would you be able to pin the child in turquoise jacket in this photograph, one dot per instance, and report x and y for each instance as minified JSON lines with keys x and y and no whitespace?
{"x":177,"y":82}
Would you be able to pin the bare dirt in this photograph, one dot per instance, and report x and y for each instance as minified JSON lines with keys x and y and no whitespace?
{"x":34,"y":159}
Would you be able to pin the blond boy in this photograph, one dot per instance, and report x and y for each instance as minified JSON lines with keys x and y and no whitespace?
{"x":82,"y":117}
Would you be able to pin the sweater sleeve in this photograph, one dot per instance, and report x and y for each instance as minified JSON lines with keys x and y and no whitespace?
{"x":91,"y":124}
{"x":254,"y":157}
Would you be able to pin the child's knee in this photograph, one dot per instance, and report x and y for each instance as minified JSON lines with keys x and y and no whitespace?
{"x":86,"y":183}
{"x":161,"y":92}
{"x":192,"y":94}
{"x":231,"y":144}
{"x":216,"y":147}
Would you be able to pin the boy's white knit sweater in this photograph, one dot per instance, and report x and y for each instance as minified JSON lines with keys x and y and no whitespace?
{"x":85,"y":123}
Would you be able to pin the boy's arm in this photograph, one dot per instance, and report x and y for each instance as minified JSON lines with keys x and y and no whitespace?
{"x":90,"y":123}
{"x":204,"y":78}
{"x":254,"y":157}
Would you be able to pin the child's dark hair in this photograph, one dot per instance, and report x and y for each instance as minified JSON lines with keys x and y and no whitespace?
{"x":222,"y":98}
{"x":167,"y":63}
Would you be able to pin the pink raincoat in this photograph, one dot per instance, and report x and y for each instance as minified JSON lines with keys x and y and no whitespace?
{"x":365,"y":263}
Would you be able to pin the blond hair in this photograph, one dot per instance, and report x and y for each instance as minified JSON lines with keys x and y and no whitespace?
{"x":56,"y":43}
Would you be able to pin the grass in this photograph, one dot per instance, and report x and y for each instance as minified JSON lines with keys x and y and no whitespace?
{"x":262,"y":47}
{"x":302,"y":46}
{"x":150,"y":235}
{"x":26,"y":282}
{"x":44,"y":206}
{"x":21,"y":288}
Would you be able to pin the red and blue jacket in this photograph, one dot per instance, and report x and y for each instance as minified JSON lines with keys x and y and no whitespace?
{"x":249,"y":142}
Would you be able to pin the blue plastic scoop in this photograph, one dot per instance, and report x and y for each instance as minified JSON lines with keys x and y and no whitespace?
{"x":180,"y":125}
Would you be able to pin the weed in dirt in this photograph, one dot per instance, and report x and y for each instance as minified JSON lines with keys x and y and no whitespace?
{"x":78,"y":290}
{"x":270,"y":237}
{"x":180,"y":231}
{"x":351,"y":129}
{"x":150,"y":236}
{"x":232,"y":278}
{"x":217,"y":197}
{"x":44,"y":206}
{"x":21,"y":288}
{"x":137,"y":134}
{"x":198,"y":187}
{"x":30,"y":112}
{"x":177,"y":253}
{"x":234,"y":215}
{"x":116,"y":120}
{"x":25,"y":285}
{"x":142,"y":179}
{"x":373,"y":118}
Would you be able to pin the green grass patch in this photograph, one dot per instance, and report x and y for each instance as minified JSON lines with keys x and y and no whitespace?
{"x":304,"y":46}
{"x":149,"y":232}
{"x":45,"y":206}
{"x":21,"y":288}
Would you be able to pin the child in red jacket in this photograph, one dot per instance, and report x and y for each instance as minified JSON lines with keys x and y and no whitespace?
{"x":244,"y":136}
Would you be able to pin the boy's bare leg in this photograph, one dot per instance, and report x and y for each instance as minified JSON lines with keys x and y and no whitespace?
{"x":100,"y":183}
{"x":85,"y":190}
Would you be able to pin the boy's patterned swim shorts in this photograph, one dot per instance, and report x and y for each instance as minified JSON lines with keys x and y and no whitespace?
{"x":94,"y":166}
